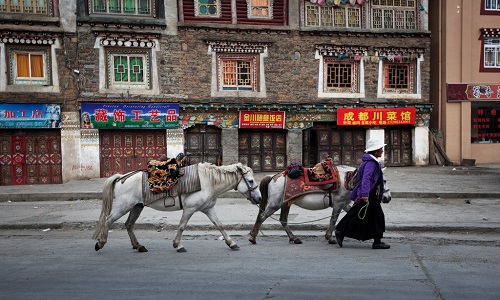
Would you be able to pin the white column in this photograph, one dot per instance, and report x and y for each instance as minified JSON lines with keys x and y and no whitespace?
{"x":421,"y":146}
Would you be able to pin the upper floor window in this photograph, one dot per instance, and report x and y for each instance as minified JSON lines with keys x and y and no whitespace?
{"x":341,"y":72}
{"x":332,"y":16}
{"x":399,"y":73}
{"x":29,"y":65}
{"x":260,"y":9}
{"x":492,"y":53}
{"x":128,"y":69}
{"x":398,"y":78}
{"x":238,"y":68}
{"x":128,"y":7}
{"x":492,"y":5}
{"x":340,"y":76}
{"x":25,"y":6}
{"x":207,"y":8}
{"x":237,"y":72}
{"x":394,"y":14}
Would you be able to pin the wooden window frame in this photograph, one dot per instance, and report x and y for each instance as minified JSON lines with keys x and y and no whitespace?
{"x":44,"y":51}
{"x":252,"y":59}
{"x":145,"y":54}
{"x":106,"y":9}
{"x":375,"y":6}
{"x":8,"y":7}
{"x":260,"y":5}
{"x":333,"y":11}
{"x":197,"y":12}
{"x":354,"y":76}
{"x":409,"y":75}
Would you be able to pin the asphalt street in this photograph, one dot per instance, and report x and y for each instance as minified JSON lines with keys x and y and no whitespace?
{"x":430,"y":198}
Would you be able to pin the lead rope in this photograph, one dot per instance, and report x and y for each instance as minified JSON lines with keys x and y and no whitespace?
{"x":305,"y":222}
{"x":365,"y":207}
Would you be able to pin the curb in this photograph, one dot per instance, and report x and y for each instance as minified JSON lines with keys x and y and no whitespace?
{"x":319,"y":229}
{"x":67,"y":196}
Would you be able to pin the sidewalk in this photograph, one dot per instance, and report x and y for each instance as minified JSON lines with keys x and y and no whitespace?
{"x":429,"y":198}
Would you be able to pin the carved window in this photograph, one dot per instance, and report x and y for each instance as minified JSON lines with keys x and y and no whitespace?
{"x":237,"y":72}
{"x":341,"y":76}
{"x":331,"y":16}
{"x":207,"y":8}
{"x":25,"y":6}
{"x":394,"y":14}
{"x":29,"y":65}
{"x":260,"y":9}
{"x":128,"y":69}
{"x":123,"y":7}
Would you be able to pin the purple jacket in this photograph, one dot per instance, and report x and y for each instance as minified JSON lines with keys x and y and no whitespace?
{"x":369,"y":174}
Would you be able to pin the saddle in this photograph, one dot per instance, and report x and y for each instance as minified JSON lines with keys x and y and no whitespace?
{"x":162,"y":175}
{"x":188,"y":182}
{"x":322,"y":178}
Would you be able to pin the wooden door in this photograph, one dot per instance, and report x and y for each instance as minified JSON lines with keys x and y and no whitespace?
{"x":30,"y":157}
{"x":344,"y":145}
{"x":263,"y":151}
{"x":122,"y":151}
{"x":203,"y":144}
{"x":398,"y":151}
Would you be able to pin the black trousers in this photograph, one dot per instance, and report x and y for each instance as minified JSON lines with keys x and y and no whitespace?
{"x":372,"y":226}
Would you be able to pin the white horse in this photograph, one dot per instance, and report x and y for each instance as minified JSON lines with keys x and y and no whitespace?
{"x":272,"y":190}
{"x":127,"y":196}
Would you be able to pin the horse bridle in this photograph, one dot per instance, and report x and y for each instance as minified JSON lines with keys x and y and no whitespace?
{"x":250,"y":188}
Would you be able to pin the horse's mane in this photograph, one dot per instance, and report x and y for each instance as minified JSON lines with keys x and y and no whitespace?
{"x":223,"y":173}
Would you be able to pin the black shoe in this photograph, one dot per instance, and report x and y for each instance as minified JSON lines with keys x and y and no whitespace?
{"x":380,"y":245}
{"x":339,"y":237}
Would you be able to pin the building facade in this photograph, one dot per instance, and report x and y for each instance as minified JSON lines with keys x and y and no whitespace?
{"x":466,"y":78}
{"x":264,"y":82}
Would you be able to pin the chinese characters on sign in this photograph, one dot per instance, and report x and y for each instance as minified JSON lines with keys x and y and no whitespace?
{"x":376,"y":116}
{"x":30,"y":116}
{"x":473,"y":91}
{"x":130,"y":115}
{"x":262,"y":119}
{"x":485,"y":123}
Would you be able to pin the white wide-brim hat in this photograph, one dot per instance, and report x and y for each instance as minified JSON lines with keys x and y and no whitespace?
{"x":374,"y":144}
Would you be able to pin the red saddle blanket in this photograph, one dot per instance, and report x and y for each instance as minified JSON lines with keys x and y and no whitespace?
{"x":322,"y":178}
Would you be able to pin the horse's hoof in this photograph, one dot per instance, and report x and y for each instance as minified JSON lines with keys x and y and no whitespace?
{"x":252,"y":240}
{"x":182,"y":249}
{"x":297,"y":241}
{"x":142,"y":249}
{"x":235,"y":247}
{"x":97,"y":248}
{"x":332,"y":242}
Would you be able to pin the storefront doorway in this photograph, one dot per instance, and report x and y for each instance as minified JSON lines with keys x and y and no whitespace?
{"x":30,"y":157}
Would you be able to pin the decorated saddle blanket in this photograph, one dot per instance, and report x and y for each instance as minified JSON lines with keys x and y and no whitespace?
{"x":322,"y":173}
{"x":162,"y":175}
{"x":326,"y":181}
{"x":188,"y":182}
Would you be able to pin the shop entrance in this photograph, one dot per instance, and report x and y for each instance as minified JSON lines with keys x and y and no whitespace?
{"x":344,"y":145}
{"x":30,"y":157}
{"x":398,"y":151}
{"x":203,"y":144}
{"x":122,"y":151}
{"x":263,"y":150}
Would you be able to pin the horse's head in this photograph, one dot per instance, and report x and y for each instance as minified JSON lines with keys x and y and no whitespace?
{"x":386,"y":196}
{"x":247,"y":185}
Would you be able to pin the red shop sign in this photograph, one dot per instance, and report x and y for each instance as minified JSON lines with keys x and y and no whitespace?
{"x":262,"y":119}
{"x":376,"y":116}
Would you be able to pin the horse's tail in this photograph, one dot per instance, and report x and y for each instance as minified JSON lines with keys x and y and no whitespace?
{"x":107,"y":205}
{"x":264,"y":187}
